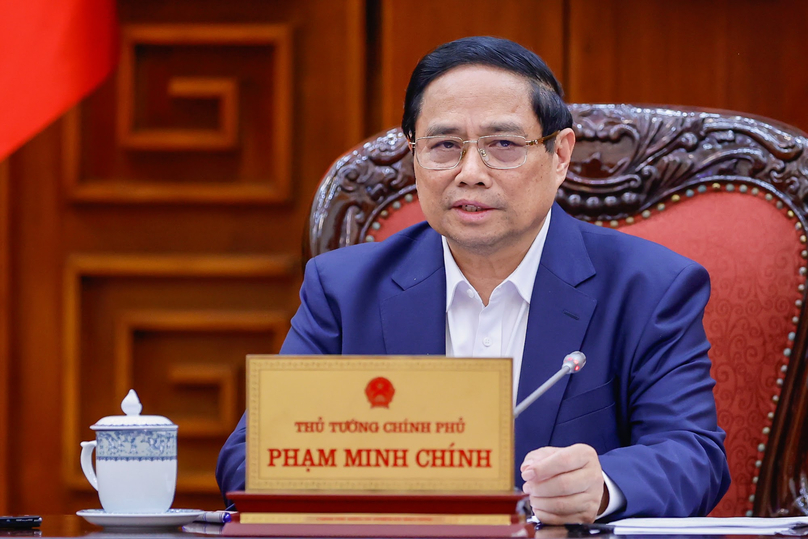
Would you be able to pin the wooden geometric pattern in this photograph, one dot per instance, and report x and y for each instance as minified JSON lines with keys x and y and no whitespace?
{"x":222,"y":137}
{"x":215,"y":95}
{"x":130,"y":328}
{"x":220,"y":376}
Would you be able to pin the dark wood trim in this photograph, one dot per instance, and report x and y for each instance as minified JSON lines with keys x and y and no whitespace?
{"x":355,"y":92}
{"x":5,"y":318}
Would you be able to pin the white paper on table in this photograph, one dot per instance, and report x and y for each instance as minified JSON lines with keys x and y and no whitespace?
{"x":793,"y":526}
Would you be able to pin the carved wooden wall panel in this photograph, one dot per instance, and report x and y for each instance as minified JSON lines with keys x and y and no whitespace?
{"x":36,"y":259}
{"x":409,"y":30}
{"x":740,"y":55}
{"x":183,"y":355}
{"x":177,"y":329}
{"x":156,"y":230}
{"x":202,"y":114}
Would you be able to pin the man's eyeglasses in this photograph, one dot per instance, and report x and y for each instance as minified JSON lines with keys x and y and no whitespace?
{"x":497,"y":151}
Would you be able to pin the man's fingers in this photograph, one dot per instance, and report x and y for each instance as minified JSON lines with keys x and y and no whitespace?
{"x":575,"y":509}
{"x":557,"y":462}
{"x":537,"y":455}
{"x":565,"y":484}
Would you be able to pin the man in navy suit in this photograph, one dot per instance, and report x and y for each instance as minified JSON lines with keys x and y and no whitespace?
{"x":500,"y":270}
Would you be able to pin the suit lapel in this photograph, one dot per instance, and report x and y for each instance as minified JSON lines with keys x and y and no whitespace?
{"x":414,"y":320}
{"x":557,"y":322}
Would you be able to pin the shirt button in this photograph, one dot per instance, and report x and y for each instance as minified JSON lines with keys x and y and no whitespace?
{"x":470,"y":293}
{"x":487,"y":341}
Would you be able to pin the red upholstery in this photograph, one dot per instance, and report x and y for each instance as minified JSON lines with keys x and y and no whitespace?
{"x":752,"y":252}
{"x":408,"y":212}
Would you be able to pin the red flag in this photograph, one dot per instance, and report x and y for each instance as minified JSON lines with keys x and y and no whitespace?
{"x":52,"y":54}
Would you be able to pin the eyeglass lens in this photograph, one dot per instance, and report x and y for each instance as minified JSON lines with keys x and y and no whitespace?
{"x":497,"y":151}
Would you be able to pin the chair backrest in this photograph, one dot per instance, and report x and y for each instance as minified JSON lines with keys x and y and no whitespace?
{"x":726,"y":190}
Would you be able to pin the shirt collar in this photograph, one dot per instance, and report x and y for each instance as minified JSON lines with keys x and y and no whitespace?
{"x":523,"y":277}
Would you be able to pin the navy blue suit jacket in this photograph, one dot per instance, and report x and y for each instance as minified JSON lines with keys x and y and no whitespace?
{"x":644,"y":400}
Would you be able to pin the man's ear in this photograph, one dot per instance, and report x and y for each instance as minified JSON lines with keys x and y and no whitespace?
{"x":562,"y":152}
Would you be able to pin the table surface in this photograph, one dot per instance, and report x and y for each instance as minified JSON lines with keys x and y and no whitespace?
{"x":74,"y":526}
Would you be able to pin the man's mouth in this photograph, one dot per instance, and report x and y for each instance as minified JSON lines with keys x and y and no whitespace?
{"x":471,"y":207}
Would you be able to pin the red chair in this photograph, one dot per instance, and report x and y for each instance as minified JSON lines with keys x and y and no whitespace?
{"x":728,"y":191}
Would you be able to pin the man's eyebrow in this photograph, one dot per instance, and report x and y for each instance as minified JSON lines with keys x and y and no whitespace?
{"x":489,"y":128}
{"x":503,"y":127}
{"x":437,"y":130}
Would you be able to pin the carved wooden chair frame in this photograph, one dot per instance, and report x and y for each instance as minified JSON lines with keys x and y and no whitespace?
{"x":668,"y":154}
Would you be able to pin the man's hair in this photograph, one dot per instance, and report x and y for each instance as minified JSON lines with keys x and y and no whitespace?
{"x":546,"y":93}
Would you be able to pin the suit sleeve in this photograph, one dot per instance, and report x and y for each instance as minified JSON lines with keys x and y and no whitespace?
{"x":315,"y":330}
{"x":675,"y":463}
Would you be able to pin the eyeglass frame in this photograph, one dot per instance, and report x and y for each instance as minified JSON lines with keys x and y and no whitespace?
{"x":534,"y":142}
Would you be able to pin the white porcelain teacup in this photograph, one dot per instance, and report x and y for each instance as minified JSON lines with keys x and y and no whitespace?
{"x":135,"y":462}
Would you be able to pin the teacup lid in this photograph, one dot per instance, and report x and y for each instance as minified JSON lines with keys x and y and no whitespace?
{"x":131,"y":407}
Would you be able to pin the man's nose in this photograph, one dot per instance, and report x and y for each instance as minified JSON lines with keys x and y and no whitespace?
{"x":472,"y":170}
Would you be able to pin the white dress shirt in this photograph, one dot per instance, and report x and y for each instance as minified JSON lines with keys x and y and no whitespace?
{"x":499,"y":328}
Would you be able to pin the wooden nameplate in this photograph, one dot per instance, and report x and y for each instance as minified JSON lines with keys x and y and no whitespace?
{"x":403,"y":446}
{"x":456,"y":503}
{"x":377,"y":514}
{"x":381,"y":424}
{"x":236,"y":529}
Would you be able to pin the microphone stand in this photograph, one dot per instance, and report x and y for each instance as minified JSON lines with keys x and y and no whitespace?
{"x":573,"y":363}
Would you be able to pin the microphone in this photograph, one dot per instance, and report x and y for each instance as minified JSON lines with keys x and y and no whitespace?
{"x":573,"y":363}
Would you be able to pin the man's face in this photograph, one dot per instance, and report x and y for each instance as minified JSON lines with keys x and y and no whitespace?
{"x":483,"y":211}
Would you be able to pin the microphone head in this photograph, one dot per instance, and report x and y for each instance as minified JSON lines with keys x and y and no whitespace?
{"x":574,"y":361}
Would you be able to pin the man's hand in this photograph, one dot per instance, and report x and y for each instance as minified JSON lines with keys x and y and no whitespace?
{"x":565,"y":484}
